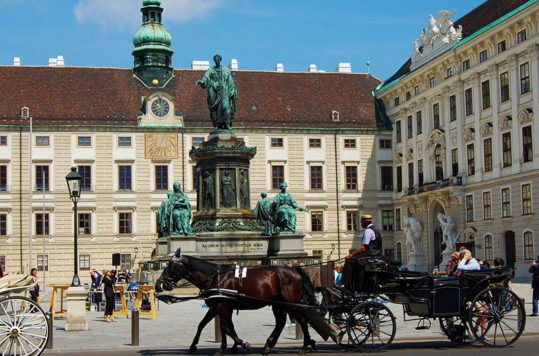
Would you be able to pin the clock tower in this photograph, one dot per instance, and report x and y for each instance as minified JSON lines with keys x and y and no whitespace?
{"x":152,"y":53}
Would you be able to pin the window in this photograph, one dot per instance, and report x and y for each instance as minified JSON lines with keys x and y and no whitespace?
{"x":195,"y":178}
{"x":471,"y":159}
{"x":124,"y":141}
{"x":397,"y":219}
{"x":85,"y":224}
{"x":483,"y":56}
{"x":42,"y":140}
{"x":436,"y":115}
{"x":396,"y":101}
{"x":488,"y":248}
{"x":528,"y":246}
{"x":387,"y":177}
{"x":3,"y":224}
{"x":317,"y":221}
{"x":527,"y":149}
{"x":315,"y":143}
{"x":506,"y":202}
{"x":410,"y":127}
{"x":506,"y":149}
{"x":3,"y":177}
{"x":417,"y":90}
{"x":487,"y":154}
{"x":487,"y":211}
{"x":84,"y":141}
{"x":521,"y":36}
{"x":420,"y":172}
{"x":3,"y":140}
{"x":438,"y":164}
{"x":388,"y":220}
{"x":318,"y":252}
{"x":42,"y":263}
{"x":450,"y":72}
{"x":501,"y":46}
{"x":125,"y":261}
{"x":469,"y":208}
{"x":349,"y":143}
{"x":432,"y":81}
{"x":196,"y":141}
{"x":399,"y":179}
{"x":398,"y":254}
{"x":277,"y":176}
{"x":40,"y":223}
{"x":524,"y":78}
{"x":526,"y":199}
{"x":385,"y":143}
{"x":398,"y":130}
{"x":465,"y":65}
{"x":161,"y":177}
{"x":468,"y":101}
{"x":504,"y":86}
{"x":410,"y":174}
{"x":84,"y":262}
{"x":124,"y":223}
{"x":276,"y":142}
{"x":42,"y":177}
{"x":3,"y":262}
{"x":124,"y":177}
{"x":351,"y":177}
{"x":419,"y":123}
{"x":316,"y":177}
{"x":352,"y":222}
{"x":86,"y":174}
{"x":408,"y":95}
{"x":485,"y":93}
{"x":454,"y":162}
{"x":453,"y":108}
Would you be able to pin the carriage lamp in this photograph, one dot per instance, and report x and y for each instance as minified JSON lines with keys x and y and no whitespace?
{"x":73,"y":180}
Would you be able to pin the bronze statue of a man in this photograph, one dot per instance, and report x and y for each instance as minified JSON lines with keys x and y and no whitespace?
{"x":221,"y":94}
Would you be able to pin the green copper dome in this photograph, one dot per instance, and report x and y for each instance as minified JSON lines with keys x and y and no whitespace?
{"x":151,"y":2}
{"x":152,"y":34}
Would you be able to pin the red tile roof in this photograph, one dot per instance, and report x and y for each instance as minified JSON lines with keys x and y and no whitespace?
{"x":109,"y":96}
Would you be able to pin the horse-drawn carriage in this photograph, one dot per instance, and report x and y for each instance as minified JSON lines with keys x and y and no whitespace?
{"x":23,"y":324}
{"x":473,"y":307}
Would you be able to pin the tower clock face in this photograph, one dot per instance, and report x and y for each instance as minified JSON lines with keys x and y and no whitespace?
{"x":160,"y":107}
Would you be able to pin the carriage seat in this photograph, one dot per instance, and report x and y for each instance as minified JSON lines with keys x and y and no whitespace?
{"x":15,"y":280}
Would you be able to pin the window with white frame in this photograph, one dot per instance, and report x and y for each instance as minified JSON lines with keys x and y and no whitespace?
{"x":388,"y":220}
{"x":506,"y":202}
{"x":3,"y":224}
{"x":487,"y":207}
{"x":352,"y":221}
{"x":469,"y":208}
{"x":42,"y":262}
{"x":528,"y":246}
{"x":84,"y":262}
{"x":527,"y":144}
{"x":526,"y":199}
{"x":125,"y":261}
{"x":317,"y":221}
{"x":488,"y":248}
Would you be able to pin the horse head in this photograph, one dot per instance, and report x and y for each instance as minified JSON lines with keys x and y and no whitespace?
{"x":172,"y":273}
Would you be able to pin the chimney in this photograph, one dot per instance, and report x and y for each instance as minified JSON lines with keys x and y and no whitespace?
{"x":312,"y":68}
{"x":233,"y":65}
{"x":17,"y":61}
{"x":60,"y":62}
{"x":52,"y":62}
{"x":344,"y":67}
{"x":200,"y":65}
{"x":279,"y":67}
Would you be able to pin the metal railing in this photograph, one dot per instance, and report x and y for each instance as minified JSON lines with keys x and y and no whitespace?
{"x":427,"y":187}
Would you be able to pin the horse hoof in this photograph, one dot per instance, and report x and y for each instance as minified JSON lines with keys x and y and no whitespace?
{"x":312,"y":344}
{"x":234,"y":349}
{"x":266,"y":350}
{"x":192,"y":349}
{"x":247,"y":346}
{"x":303,"y":351}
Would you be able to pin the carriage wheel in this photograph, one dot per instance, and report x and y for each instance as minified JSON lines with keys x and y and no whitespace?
{"x":23,"y":327}
{"x":340,"y":320}
{"x":497,"y":317}
{"x":371,"y":326}
{"x":455,"y":328}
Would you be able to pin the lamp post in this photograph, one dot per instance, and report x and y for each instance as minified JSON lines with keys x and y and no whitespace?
{"x":25,"y":114}
{"x":73,"y":184}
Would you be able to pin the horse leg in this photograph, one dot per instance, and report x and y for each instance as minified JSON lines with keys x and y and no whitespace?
{"x":307,"y":341}
{"x":212,"y":312}
{"x":237,"y":341}
{"x":280,"y":321}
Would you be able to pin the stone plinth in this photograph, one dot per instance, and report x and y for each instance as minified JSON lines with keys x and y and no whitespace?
{"x":446,"y":256}
{"x":416,"y":261}
{"x":76,"y":309}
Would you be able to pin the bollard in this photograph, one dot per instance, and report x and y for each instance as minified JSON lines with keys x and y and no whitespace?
{"x":50,"y":321}
{"x":299,"y":332}
{"x":520,"y":311}
{"x":218,"y":336}
{"x":135,"y":327}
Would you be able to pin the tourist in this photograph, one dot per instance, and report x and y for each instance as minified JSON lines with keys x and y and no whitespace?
{"x":96,"y":286}
{"x":435,"y":271}
{"x":34,"y":289}
{"x":467,"y":261}
{"x":452,"y":265}
{"x":108,"y":280}
{"x":534,"y":268}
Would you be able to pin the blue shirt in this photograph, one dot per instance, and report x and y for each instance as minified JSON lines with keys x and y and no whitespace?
{"x":472,"y":265}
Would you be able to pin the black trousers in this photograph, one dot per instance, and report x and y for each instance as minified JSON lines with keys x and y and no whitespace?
{"x":34,"y":294}
{"x":109,"y":306}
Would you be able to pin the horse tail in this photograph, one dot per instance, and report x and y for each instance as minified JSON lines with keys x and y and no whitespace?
{"x":307,"y":294}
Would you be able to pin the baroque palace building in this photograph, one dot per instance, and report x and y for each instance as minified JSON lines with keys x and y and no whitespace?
{"x":129,"y":132}
{"x":465,"y":134}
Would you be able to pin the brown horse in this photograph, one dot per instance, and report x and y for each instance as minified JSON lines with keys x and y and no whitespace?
{"x":266,"y":285}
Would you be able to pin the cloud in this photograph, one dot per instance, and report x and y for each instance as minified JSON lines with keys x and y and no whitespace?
{"x":121,"y":13}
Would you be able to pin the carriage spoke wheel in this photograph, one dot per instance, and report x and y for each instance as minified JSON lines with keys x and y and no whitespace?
{"x":455,"y":328}
{"x":371,"y":326}
{"x":497,"y":317}
{"x":340,"y":320}
{"x":23,"y":327}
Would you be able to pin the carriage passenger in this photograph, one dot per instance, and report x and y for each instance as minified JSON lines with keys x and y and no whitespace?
{"x":468,"y":262}
{"x":453,"y":264}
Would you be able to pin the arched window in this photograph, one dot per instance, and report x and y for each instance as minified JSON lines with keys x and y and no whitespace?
{"x":439,"y":168}
{"x":488,"y":248}
{"x":399,"y":252}
{"x":528,"y":246}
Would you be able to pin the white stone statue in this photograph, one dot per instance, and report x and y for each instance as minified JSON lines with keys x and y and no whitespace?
{"x":414,"y":230}
{"x":449,"y":233}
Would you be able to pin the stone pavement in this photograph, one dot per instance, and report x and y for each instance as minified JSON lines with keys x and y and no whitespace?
{"x":176,"y":326}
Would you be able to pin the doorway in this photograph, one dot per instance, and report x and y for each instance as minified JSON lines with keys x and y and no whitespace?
{"x":510,"y":250}
{"x":437,"y":245}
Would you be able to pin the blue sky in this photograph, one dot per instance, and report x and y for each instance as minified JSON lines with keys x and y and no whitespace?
{"x":258,"y":33}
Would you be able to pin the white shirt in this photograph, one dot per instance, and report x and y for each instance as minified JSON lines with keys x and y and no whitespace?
{"x":368,"y":235}
{"x":472,"y":265}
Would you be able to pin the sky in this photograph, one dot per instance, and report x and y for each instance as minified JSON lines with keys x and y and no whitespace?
{"x":259,"y":34}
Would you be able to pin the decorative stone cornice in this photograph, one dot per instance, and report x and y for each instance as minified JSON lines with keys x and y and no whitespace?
{"x":493,"y":70}
{"x":422,"y":101}
{"x":469,"y":135}
{"x":397,"y":158}
{"x":512,"y":61}
{"x":486,"y":129}
{"x":533,"y":50}
{"x":474,"y":78}
{"x":505,"y":123}
{"x":409,"y":154}
{"x":445,"y":91}
{"x":525,"y":116}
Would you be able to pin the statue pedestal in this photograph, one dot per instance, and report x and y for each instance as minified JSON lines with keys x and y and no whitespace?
{"x":286,"y":245}
{"x":446,"y":256}
{"x":416,"y":261}
{"x":76,"y":309}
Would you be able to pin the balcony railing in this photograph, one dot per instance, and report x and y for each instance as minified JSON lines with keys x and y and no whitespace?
{"x":427,"y":187}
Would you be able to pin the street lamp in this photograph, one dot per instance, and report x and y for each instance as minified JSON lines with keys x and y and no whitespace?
{"x":25,"y":115}
{"x":73,"y":184}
